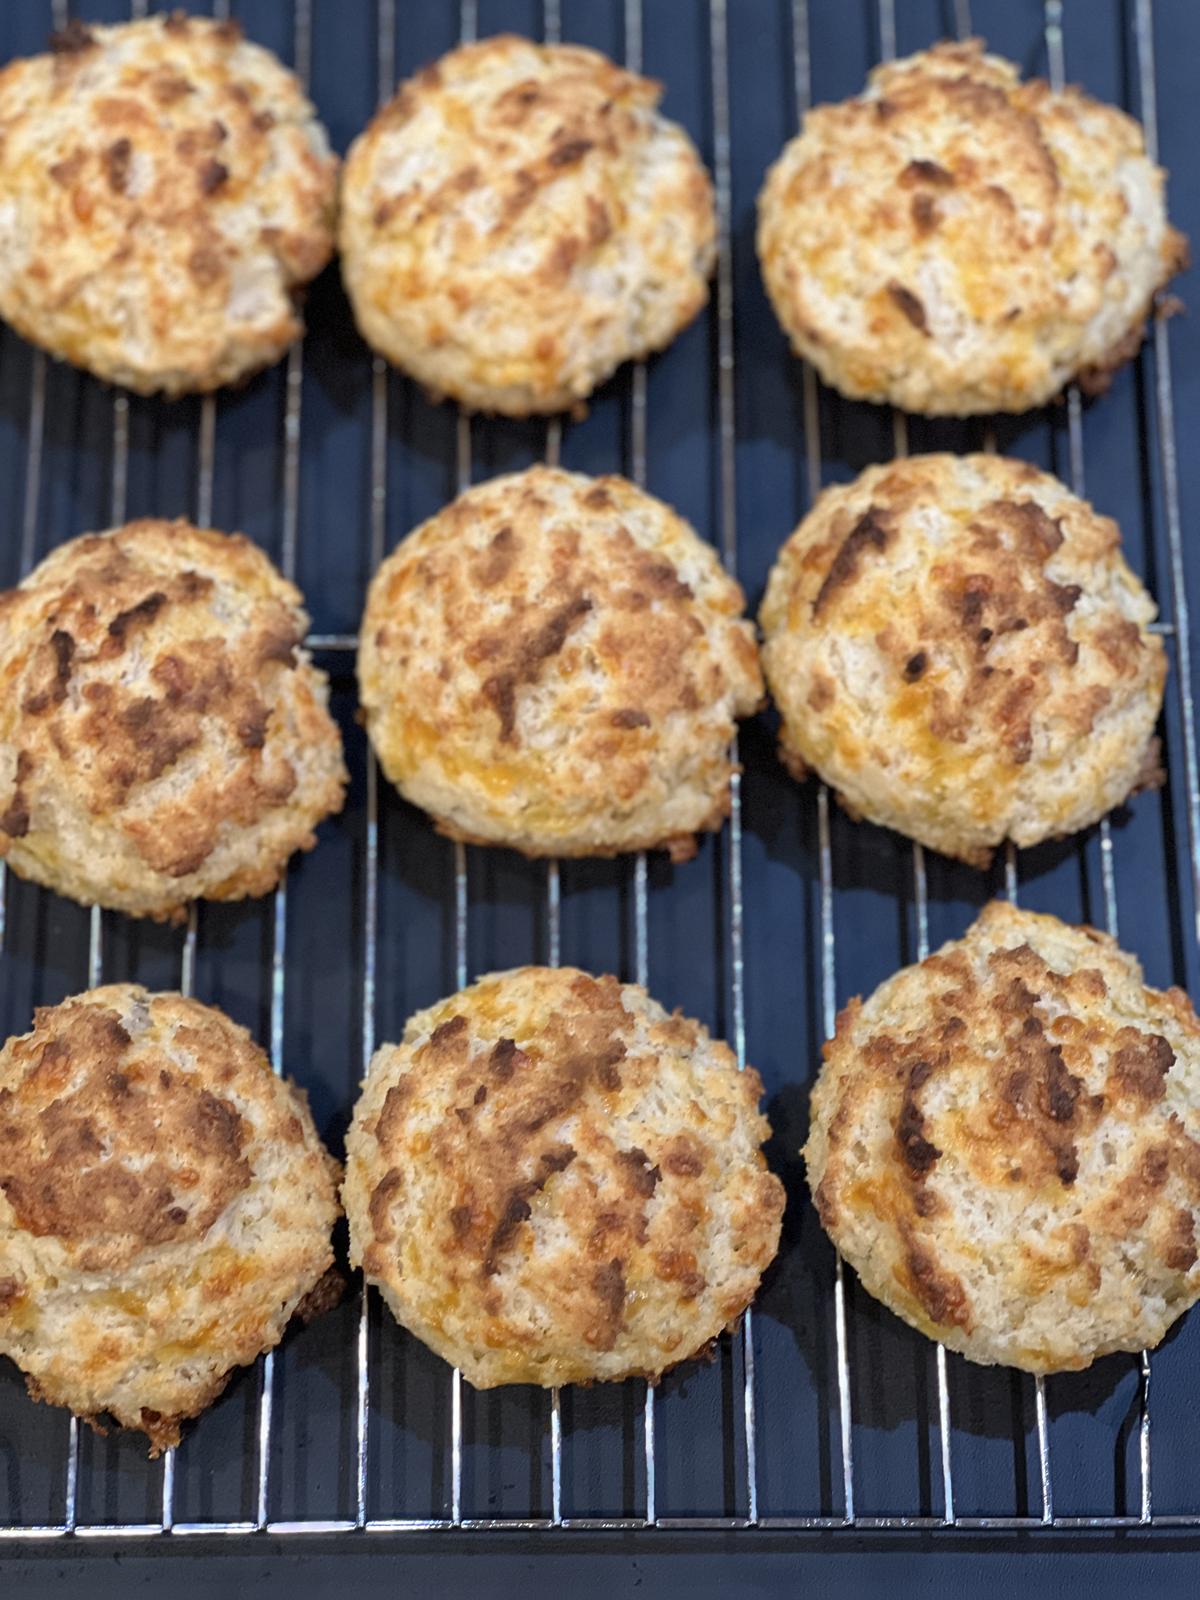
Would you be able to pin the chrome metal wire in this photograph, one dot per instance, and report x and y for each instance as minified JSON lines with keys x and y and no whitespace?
{"x":385,"y":81}
{"x":802,"y":79}
{"x":727,"y":441}
{"x":887,"y":50}
{"x":1056,"y":58}
{"x":641,"y":882}
{"x":289,"y":536}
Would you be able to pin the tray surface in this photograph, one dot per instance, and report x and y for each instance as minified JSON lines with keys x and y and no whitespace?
{"x":824,"y":1411}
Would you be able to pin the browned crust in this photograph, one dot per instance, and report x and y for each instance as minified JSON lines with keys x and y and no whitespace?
{"x":75,"y":36}
{"x":61,"y":1166}
{"x":328,"y":1291}
{"x":1152,"y":774}
{"x":871,"y":531}
{"x":909,"y":305}
{"x":527,"y":654}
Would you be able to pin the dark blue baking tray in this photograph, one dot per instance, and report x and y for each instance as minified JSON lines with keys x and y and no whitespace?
{"x":825,"y":1418}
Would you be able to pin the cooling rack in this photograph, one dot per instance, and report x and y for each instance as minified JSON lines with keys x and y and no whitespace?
{"x":822,"y":1412}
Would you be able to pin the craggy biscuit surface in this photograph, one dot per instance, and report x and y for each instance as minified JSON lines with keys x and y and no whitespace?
{"x":165,"y":1207}
{"x":1005,"y":1145}
{"x":956,"y":241}
{"x":552,"y":1181}
{"x":519,"y":221}
{"x":163,"y":734}
{"x":956,"y":644}
{"x":164,"y":188}
{"x":556,"y":663}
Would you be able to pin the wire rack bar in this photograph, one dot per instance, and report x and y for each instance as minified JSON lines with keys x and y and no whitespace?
{"x":347,"y":642}
{"x":1164,"y":396}
{"x":31,"y":504}
{"x":1056,"y":56}
{"x":205,"y":474}
{"x":378,"y":519}
{"x":887,"y":50}
{"x":1180,"y":610}
{"x":33,"y":460}
{"x":468,"y":32}
{"x":552,"y":34}
{"x":727,"y":441}
{"x":289,"y":532}
{"x":1045,"y":1475}
{"x":802,"y":78}
{"x":638,"y":472}
{"x":386,"y":33}
{"x":118,"y":503}
{"x":187,"y":959}
{"x":316,"y":1526}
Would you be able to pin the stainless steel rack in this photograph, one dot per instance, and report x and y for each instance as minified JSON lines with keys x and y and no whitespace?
{"x":752,"y":1379}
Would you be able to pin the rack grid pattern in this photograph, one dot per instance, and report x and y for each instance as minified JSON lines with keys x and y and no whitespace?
{"x":745,"y":1376}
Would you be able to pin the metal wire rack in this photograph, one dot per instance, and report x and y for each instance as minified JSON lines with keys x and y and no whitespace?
{"x":787,"y":1431}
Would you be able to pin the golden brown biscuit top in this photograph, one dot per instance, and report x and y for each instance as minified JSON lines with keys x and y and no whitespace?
{"x":154,"y":673}
{"x":127,"y":1120}
{"x":969,"y":613}
{"x":957,"y":240}
{"x":1020,"y":1093}
{"x":510,"y":190}
{"x":549,"y":1133}
{"x":165,"y":1206}
{"x":565,"y":97}
{"x":550,"y":631}
{"x":177,"y":168}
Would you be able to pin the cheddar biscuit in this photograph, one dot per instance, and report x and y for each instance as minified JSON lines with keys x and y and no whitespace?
{"x":165,"y":1207}
{"x":956,"y":241}
{"x":165,"y":191}
{"x":554,"y":1181}
{"x":1005,"y":1145}
{"x":164,"y":736}
{"x":519,"y":221}
{"x":556,"y":662}
{"x":957,"y":646}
